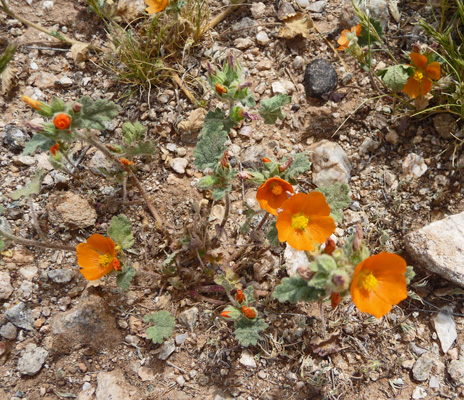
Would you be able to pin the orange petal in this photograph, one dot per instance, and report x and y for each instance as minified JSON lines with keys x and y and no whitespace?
{"x":433,"y":70}
{"x":412,"y":88}
{"x":370,"y":302}
{"x":315,"y":204}
{"x":92,"y":274}
{"x":101,"y":243}
{"x":335,"y":299}
{"x":342,"y":40}
{"x":425,"y":86}
{"x":320,"y":228}
{"x":87,"y":257}
{"x":301,"y":240}
{"x":419,"y":60}
{"x":357,"y":29}
{"x":284,"y":225}
{"x":269,"y":201}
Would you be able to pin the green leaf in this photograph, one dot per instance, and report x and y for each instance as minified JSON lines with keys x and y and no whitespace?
{"x":206,"y":182}
{"x":249,"y":213}
{"x":337,"y":197}
{"x":1,"y":210}
{"x":216,"y":121}
{"x":32,"y":187}
{"x":247,"y":330}
{"x":133,"y":132}
{"x":271,"y":108}
{"x":409,"y":274}
{"x":170,"y":259}
{"x":249,"y":294}
{"x":57,"y":105}
{"x":219,"y":193}
{"x":299,"y":165}
{"x":273,"y":235}
{"x":120,"y":231}
{"x":246,"y":97}
{"x":366,"y":37}
{"x":163,"y":326}
{"x":124,"y":277}
{"x":396,"y":76}
{"x":38,"y":141}
{"x":2,"y":244}
{"x":210,"y":149}
{"x":95,"y":113}
{"x":7,"y":56}
{"x":294,"y":289}
{"x":139,"y":148}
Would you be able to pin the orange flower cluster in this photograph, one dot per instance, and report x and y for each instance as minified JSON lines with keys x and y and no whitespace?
{"x":155,"y":6}
{"x":343,"y":40}
{"x":97,"y":257}
{"x":379,"y":283}
{"x":62,"y":121}
{"x":421,"y":82}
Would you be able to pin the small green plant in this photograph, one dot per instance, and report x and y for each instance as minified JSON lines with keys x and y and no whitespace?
{"x":163,"y":324}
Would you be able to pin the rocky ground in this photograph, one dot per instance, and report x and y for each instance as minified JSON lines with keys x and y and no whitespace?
{"x":63,"y":337}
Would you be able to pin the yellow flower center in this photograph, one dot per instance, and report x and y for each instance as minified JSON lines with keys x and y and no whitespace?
{"x":277,"y":189}
{"x":104,"y":260}
{"x":300,"y":222}
{"x":367,"y":281}
{"x":418,"y":76}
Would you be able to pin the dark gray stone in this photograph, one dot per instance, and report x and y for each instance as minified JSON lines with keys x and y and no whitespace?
{"x":21,"y":316}
{"x":320,"y":78}
{"x":14,"y":138}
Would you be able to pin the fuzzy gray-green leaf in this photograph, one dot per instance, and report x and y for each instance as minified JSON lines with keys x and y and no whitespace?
{"x":247,"y":331}
{"x":120,"y":231}
{"x":337,"y":198}
{"x":124,"y":277}
{"x":95,"y":113}
{"x":295,"y":289}
{"x":38,"y":141}
{"x":32,"y":187}
{"x":163,"y":326}
{"x":271,"y":108}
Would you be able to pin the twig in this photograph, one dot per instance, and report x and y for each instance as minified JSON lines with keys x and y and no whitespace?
{"x":179,"y":82}
{"x":35,"y":221}
{"x":7,"y":10}
{"x":176,"y":367}
{"x":160,"y":223}
{"x":218,"y":18}
{"x":36,"y":243}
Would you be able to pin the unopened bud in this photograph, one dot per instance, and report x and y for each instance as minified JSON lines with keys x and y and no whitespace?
{"x":240,"y":296}
{"x":220,"y":89}
{"x":416,"y":48}
{"x":76,"y":107}
{"x":329,"y":246}
{"x":225,"y":160}
{"x":244,"y":175}
{"x":249,"y":312}
{"x":225,"y":314}
{"x":285,"y":165}
{"x":358,"y":236}
{"x":266,"y":160}
{"x":244,"y":85}
{"x":305,"y":273}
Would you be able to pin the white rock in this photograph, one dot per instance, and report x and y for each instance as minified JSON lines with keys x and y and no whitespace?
{"x":262,"y":38}
{"x":258,"y":10}
{"x":47,"y":5}
{"x":303,"y":3}
{"x":189,"y":318}
{"x":446,"y":328}
{"x":180,"y":381}
{"x":179,"y":165}
{"x":247,"y":360}
{"x":413,"y":166}
{"x":33,"y":65}
{"x":243,"y":43}
{"x":112,"y":386}
{"x":65,"y":81}
{"x":166,"y":349}
{"x":368,"y":145}
{"x":283,"y":86}
{"x":392,"y":137}
{"x":434,"y":382}
{"x":318,"y":6}
{"x":32,"y":359}
{"x":28,"y":272}
{"x":330,"y":163}
{"x":294,"y":259}
{"x":439,"y":247}
{"x":298,"y":62}
{"x":419,"y":393}
{"x":5,"y":286}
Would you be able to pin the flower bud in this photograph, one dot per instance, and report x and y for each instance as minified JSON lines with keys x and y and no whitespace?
{"x":54,"y":148}
{"x":266,"y":160}
{"x":62,"y":121}
{"x":329,"y":246}
{"x":126,"y":162}
{"x":225,"y":314}
{"x":35,"y":104}
{"x":244,"y":175}
{"x":225,"y":160}
{"x":340,"y":281}
{"x":249,"y":312}
{"x":305,"y":272}
{"x":220,"y":89}
{"x":287,"y":164}
{"x":240,"y":296}
{"x":76,"y":107}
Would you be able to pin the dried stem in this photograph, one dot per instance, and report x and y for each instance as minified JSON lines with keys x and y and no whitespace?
{"x":35,"y":221}
{"x":36,"y":243}
{"x":100,"y":146}
{"x":218,"y":18}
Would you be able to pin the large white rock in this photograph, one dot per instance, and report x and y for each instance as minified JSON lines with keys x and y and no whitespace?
{"x":439,"y":247}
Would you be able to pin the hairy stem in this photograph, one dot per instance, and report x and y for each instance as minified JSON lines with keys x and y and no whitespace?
{"x":36,"y":243}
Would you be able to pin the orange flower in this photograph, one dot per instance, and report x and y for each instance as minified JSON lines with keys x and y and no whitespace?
{"x":379,"y":283}
{"x":155,"y":6}
{"x":125,"y":161}
{"x":343,"y":40}
{"x":54,"y":148}
{"x":266,"y":160}
{"x":97,"y":257}
{"x":249,"y":312}
{"x":225,"y":314}
{"x":35,"y":104}
{"x":272,"y":193}
{"x":62,"y":121}
{"x":220,"y":89}
{"x":305,"y":220}
{"x":240,"y":296}
{"x":420,"y":83}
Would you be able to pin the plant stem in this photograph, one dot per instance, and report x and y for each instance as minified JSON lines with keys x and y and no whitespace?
{"x":100,"y":146}
{"x":7,"y":10}
{"x":36,"y":243}
{"x":35,"y":221}
{"x":218,"y":18}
